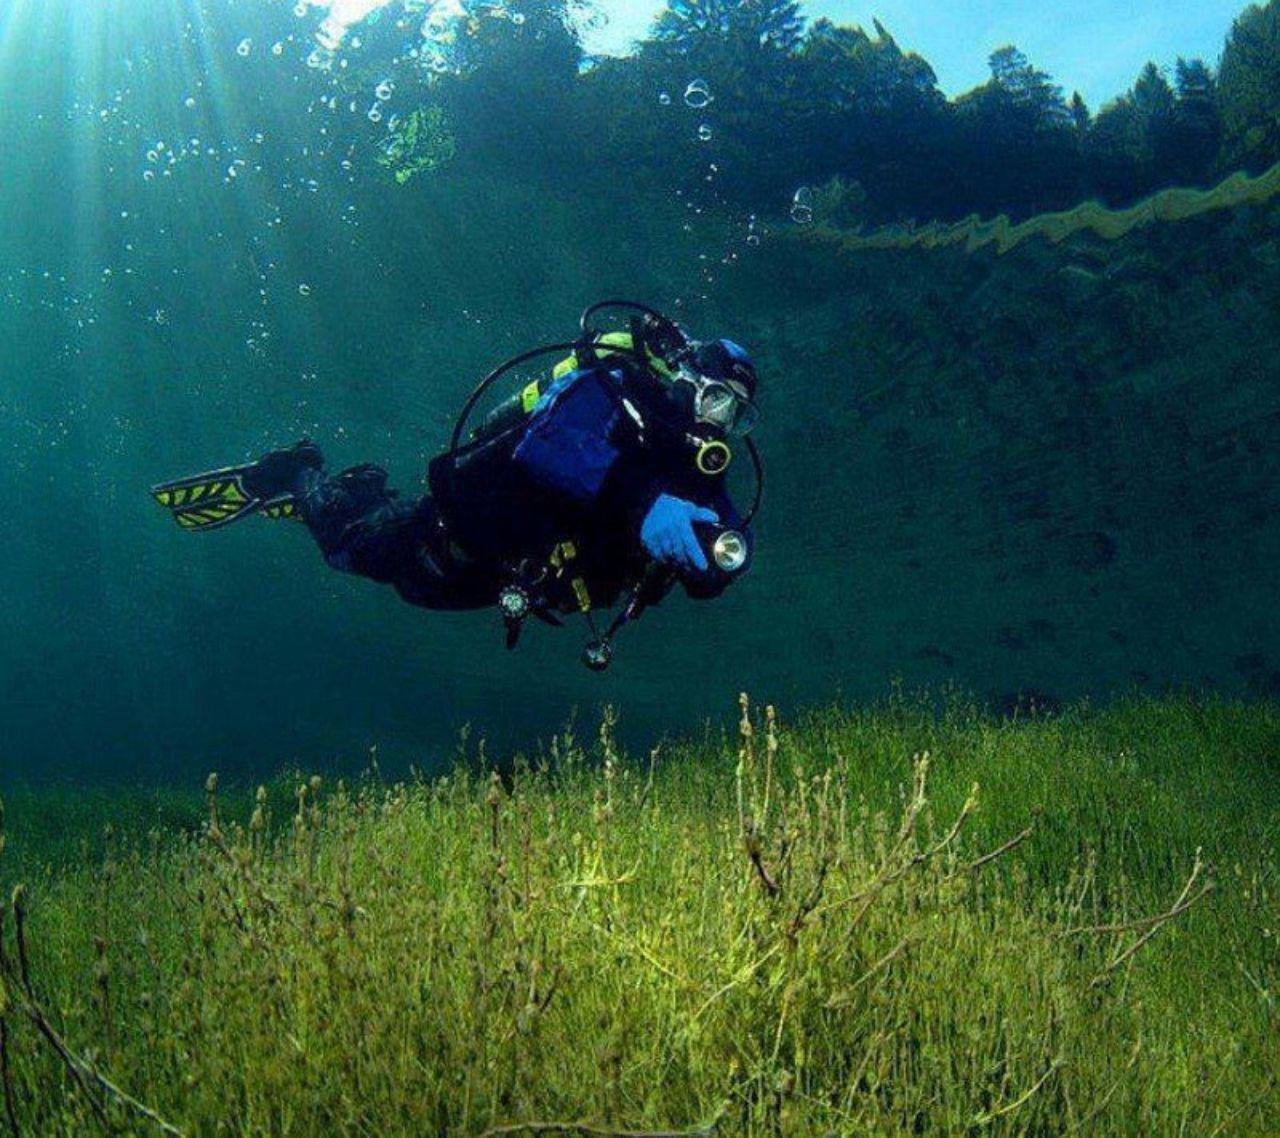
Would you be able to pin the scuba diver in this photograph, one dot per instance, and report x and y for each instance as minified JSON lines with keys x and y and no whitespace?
{"x":603,"y":481}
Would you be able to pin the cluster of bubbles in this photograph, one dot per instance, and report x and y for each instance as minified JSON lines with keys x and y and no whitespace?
{"x":381,"y":93}
{"x":697,"y":95}
{"x":258,"y":332}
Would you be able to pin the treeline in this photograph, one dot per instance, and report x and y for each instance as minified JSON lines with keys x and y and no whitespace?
{"x":775,"y":103}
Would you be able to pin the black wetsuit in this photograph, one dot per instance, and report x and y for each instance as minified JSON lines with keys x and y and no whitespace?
{"x":584,"y":468}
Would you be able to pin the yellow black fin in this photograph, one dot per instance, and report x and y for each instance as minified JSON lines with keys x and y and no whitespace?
{"x":217,"y":498}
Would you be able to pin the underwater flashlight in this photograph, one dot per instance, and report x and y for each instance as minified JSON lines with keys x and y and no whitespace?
{"x":598,"y":655}
{"x":514,"y":603}
{"x":729,"y":551}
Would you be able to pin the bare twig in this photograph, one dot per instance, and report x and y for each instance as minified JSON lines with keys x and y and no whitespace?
{"x":970,"y":805}
{"x":648,"y":782}
{"x":844,"y":998}
{"x":1100,"y":1106}
{"x":703,"y":1130}
{"x":1185,"y":900}
{"x":6,"y":1079}
{"x":81,"y":1070}
{"x":991,"y":1116}
{"x":85,"y":1072}
{"x":1142,"y":923}
{"x":771,"y":886}
{"x":751,"y":839}
{"x":26,"y":1005}
{"x":810,"y":903}
{"x":999,"y":851}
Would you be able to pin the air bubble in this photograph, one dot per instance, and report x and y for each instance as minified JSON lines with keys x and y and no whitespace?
{"x":697,"y":94}
{"x":304,"y":290}
{"x":518,"y":19}
{"x":382,"y":92}
{"x":802,"y":206}
{"x":189,"y":102}
{"x":704,"y":133}
{"x":277,"y":48}
{"x":664,"y":99}
{"x":375,"y":115}
{"x":244,"y":47}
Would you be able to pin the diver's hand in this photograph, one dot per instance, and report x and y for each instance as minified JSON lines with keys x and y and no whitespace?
{"x":667,"y":533}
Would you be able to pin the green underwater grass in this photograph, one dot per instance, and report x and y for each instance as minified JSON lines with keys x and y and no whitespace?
{"x":872,"y":922}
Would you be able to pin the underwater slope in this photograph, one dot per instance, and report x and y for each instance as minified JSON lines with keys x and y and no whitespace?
{"x":1052,"y":470}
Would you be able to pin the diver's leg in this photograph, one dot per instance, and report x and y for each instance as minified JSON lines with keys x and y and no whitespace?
{"x":363,"y":528}
{"x":360,"y":526}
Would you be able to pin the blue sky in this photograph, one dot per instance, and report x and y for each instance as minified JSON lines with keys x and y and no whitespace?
{"x":1094,"y":46}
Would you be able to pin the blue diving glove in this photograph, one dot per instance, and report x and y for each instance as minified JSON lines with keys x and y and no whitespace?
{"x":667,"y":533}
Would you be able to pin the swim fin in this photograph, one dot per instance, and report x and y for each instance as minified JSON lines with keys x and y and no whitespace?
{"x":218,"y":498}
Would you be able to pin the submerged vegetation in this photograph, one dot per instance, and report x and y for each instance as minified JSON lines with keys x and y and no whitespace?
{"x":1036,"y":926}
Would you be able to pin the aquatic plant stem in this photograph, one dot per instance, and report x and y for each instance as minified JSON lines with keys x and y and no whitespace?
{"x":6,"y":1081}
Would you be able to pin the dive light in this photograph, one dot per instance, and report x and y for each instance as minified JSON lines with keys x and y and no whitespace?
{"x":727,"y":549}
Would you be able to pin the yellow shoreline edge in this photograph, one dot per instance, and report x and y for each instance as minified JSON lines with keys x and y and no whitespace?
{"x":974,"y":233}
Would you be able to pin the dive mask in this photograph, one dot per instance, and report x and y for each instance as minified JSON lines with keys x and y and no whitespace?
{"x":721,"y":403}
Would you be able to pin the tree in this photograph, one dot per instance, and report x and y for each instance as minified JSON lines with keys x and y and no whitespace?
{"x":1113,"y":153}
{"x":1156,"y":135}
{"x":874,"y":112}
{"x":1080,"y":116}
{"x":744,"y":51}
{"x":1019,"y":149}
{"x":510,"y":81}
{"x":1029,"y":89}
{"x":1195,"y":133}
{"x":1249,"y":88}
{"x":1154,"y":104}
{"x":704,"y":30}
{"x":855,"y":71}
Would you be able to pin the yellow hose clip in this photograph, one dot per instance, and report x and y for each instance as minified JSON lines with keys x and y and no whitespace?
{"x":713,"y":456}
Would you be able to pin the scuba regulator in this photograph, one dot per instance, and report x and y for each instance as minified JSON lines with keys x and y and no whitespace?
{"x":661,"y":355}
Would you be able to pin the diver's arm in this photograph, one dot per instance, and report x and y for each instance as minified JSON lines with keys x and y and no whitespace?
{"x":708,"y":586}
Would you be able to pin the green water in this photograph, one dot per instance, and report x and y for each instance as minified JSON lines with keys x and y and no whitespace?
{"x":1052,"y":472}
